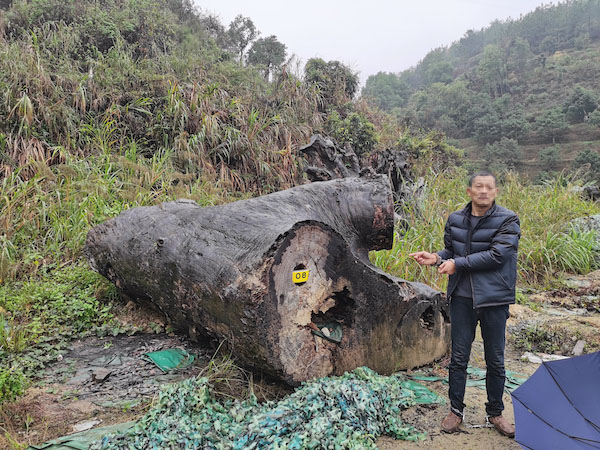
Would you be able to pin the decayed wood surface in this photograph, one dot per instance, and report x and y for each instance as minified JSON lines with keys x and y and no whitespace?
{"x":325,"y":161}
{"x":226,"y":271}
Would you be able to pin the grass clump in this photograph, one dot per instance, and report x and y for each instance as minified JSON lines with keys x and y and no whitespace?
{"x":349,"y":411}
{"x":536,"y":337}
{"x":40,"y":316}
{"x":548,"y":246}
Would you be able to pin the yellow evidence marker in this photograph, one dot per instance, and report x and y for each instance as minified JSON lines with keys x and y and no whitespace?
{"x":300,"y":276}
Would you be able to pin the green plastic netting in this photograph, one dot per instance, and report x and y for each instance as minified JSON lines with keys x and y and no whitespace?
{"x":345,"y":412}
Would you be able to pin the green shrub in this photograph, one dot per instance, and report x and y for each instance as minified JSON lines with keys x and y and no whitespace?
{"x":552,"y":123}
{"x":549,"y":156}
{"x":42,"y":315}
{"x":589,"y":161}
{"x":336,"y":82}
{"x":12,"y":384}
{"x":580,"y":103}
{"x":594,"y":118}
{"x":502,"y":155}
{"x":536,"y":337}
{"x":355,"y":130}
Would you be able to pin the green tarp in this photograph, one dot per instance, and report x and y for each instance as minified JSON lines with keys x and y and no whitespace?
{"x":476,"y":378}
{"x":171,"y":359}
{"x":347,"y":412}
{"x":83,"y":440}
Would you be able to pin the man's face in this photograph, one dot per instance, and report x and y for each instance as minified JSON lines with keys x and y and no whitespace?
{"x":483,"y":191}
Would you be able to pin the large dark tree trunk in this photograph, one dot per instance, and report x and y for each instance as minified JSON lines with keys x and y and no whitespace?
{"x":226,"y":271}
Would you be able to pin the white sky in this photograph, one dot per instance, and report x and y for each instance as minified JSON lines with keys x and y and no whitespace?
{"x":373,"y":36}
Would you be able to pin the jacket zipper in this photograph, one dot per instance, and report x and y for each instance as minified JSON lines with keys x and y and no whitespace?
{"x":469,"y":237}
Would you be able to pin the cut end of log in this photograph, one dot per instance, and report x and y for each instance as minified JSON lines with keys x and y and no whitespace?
{"x":340,"y":290}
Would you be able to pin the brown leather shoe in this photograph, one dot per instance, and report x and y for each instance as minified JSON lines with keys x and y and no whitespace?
{"x":502,"y":425}
{"x":451,"y":422}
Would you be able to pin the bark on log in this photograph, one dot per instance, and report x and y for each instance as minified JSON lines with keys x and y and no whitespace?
{"x":226,"y":271}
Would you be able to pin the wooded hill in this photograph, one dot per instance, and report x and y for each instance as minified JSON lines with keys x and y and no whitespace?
{"x":521,"y":92}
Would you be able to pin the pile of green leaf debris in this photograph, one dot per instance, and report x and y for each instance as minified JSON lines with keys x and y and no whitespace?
{"x":346,"y":412}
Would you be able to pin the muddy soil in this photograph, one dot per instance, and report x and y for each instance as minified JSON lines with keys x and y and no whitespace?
{"x":108,"y":380}
{"x":99,"y":380}
{"x":474,"y":434}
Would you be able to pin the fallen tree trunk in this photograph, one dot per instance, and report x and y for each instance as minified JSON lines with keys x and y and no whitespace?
{"x":227,"y":271}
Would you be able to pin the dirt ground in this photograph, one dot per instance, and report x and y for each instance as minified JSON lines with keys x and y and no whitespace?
{"x":473,"y":434}
{"x":567,"y":314}
{"x":107,"y":380}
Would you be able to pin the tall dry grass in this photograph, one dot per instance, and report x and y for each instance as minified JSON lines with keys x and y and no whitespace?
{"x":548,"y":248}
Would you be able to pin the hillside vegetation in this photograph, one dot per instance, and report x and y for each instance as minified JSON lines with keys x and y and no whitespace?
{"x":117,"y":104}
{"x":110,"y":105}
{"x":521,"y":93}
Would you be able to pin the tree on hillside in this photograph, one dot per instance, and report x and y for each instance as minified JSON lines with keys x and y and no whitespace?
{"x":501,"y":119}
{"x":548,"y":45}
{"x":445,"y":107}
{"x":336,"y":82}
{"x":439,"y":72}
{"x":588,"y":161}
{"x":435,"y":68}
{"x":582,"y":41}
{"x":552,"y":123}
{"x":386,"y":90}
{"x":492,"y":70}
{"x":519,"y":54}
{"x":580,"y":103}
{"x":183,"y":9}
{"x":355,"y":130}
{"x":240,"y":34}
{"x":213,"y":27}
{"x":267,"y":52}
{"x":504,"y":154}
{"x":593,"y":118}
{"x":549,"y":157}
{"x":468,"y":46}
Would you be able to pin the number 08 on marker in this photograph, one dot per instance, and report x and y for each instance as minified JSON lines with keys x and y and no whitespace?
{"x":300,"y":276}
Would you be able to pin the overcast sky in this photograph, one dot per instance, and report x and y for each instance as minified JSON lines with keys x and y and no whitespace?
{"x":369,"y":36}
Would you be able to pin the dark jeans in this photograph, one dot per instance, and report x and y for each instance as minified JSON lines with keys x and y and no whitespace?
{"x":492,"y":321}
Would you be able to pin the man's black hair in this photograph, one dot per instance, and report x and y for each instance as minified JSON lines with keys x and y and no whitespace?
{"x":482,"y":173}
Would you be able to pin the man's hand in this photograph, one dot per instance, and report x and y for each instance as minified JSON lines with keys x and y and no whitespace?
{"x":424,"y":258}
{"x":448,"y":267}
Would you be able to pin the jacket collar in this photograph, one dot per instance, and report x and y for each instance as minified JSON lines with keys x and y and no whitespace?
{"x":469,"y":207}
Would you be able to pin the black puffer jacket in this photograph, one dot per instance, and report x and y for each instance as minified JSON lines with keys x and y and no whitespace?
{"x":488,"y":254}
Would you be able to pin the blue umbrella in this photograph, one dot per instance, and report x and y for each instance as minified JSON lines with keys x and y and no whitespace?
{"x":558,"y":407}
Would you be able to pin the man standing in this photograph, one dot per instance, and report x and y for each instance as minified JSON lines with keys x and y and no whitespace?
{"x":480,"y":256}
